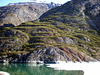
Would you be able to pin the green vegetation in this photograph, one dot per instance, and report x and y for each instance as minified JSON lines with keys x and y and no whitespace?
{"x":37,"y":35}
{"x":67,"y":29}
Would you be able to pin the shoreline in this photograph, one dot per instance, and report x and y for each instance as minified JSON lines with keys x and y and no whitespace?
{"x":44,"y":62}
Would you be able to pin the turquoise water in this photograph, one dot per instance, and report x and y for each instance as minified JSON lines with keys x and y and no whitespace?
{"x":33,"y":69}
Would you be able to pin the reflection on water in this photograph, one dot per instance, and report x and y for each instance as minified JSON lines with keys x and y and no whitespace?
{"x":33,"y":69}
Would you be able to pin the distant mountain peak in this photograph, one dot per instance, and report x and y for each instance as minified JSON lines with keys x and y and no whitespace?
{"x":24,"y":11}
{"x":37,"y":1}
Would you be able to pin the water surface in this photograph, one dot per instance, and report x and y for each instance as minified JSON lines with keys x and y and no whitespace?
{"x":34,"y":69}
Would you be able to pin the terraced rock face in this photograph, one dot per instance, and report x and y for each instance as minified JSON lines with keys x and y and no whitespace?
{"x":60,"y":35}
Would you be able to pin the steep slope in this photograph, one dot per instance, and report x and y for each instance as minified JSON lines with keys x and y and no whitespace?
{"x":88,"y":10}
{"x":60,"y":34}
{"x":17,"y":13}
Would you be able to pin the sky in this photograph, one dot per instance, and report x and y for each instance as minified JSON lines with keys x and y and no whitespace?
{"x":6,"y":2}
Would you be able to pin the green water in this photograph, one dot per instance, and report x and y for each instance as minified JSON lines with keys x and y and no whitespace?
{"x":33,"y":69}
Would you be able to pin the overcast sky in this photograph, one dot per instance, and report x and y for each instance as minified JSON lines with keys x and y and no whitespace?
{"x":6,"y":2}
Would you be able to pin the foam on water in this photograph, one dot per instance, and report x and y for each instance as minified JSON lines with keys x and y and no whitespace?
{"x":89,"y":68}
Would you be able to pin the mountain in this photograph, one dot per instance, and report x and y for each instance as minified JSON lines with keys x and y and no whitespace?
{"x":67,"y":33}
{"x":85,"y":9}
{"x":17,"y":13}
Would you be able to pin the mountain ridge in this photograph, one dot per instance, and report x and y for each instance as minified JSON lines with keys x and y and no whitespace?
{"x":17,"y":13}
{"x":80,"y":10}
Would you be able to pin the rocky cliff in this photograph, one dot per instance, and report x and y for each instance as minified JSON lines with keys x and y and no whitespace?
{"x":65,"y":33}
{"x":17,"y":13}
